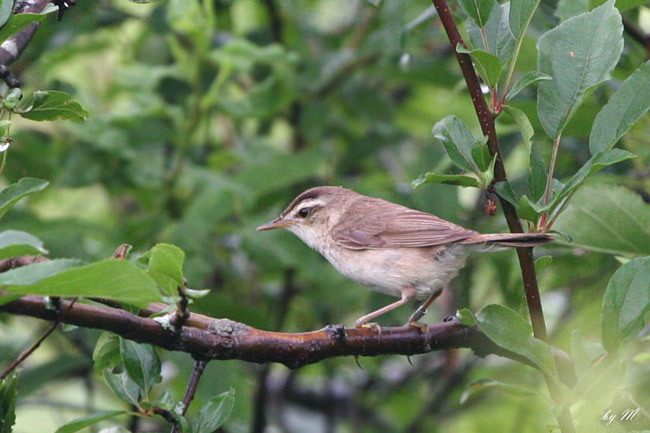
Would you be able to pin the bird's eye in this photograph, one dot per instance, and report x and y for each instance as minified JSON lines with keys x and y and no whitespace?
{"x":304,"y":212}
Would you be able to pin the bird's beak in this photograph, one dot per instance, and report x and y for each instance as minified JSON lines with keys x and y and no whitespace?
{"x":277,"y":223}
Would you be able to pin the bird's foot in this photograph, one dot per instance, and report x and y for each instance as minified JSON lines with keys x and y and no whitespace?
{"x":423,"y":327}
{"x":369,"y":325}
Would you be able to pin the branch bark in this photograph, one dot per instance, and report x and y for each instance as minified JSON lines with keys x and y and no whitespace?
{"x":486,"y":119}
{"x":13,"y":47}
{"x":209,"y":338}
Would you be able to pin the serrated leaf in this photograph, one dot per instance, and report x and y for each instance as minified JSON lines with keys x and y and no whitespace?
{"x":483,"y":384}
{"x":506,"y":328}
{"x":14,"y":243}
{"x":487,"y":64}
{"x":107,"y":352}
{"x":624,"y":108}
{"x":117,"y":280}
{"x":166,"y":266}
{"x":478,"y":10}
{"x":579,"y":54}
{"x":609,"y":219}
{"x":18,"y":22}
{"x":141,"y":363}
{"x":10,"y":195}
{"x":214,"y":413}
{"x":88,"y":420}
{"x":8,"y":396}
{"x":626,"y":303}
{"x":51,"y":105}
{"x":448,"y":179}
{"x":528,"y":79}
{"x":123,"y":387}
{"x":458,"y":141}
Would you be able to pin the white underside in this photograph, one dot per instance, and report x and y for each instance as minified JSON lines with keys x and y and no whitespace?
{"x":390,"y":271}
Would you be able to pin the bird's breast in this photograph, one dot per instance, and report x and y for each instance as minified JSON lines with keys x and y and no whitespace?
{"x":389,"y":271}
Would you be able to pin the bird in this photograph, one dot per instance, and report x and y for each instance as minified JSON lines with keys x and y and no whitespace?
{"x":387,"y":247}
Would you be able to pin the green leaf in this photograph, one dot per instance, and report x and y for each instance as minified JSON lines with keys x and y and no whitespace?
{"x":569,"y":8}
{"x":8,"y":396}
{"x":481,"y":156}
{"x":166,"y":266}
{"x":538,"y":176}
{"x":521,"y":12}
{"x":584,"y":352}
{"x":117,"y":280}
{"x":142,"y":364}
{"x":18,"y":22}
{"x":487,"y":64}
{"x":123,"y":387}
{"x":529,"y":210}
{"x":51,"y":105}
{"x":466,"y":317}
{"x":6,"y":8}
{"x":458,"y":141}
{"x":505,"y":191}
{"x":448,"y":179}
{"x":596,"y":163}
{"x":495,"y":37}
{"x":12,"y":98}
{"x":523,"y":123}
{"x":626,"y":303}
{"x":214,"y":413}
{"x":542,"y":263}
{"x":624,"y":108}
{"x":14,"y":192}
{"x":15,"y":243}
{"x":579,"y":54}
{"x":509,"y":330}
{"x":609,"y":219}
{"x":483,"y":384}
{"x":31,"y":274}
{"x":478,"y":10}
{"x":529,"y":78}
{"x":107,"y":352}
{"x":88,"y":420}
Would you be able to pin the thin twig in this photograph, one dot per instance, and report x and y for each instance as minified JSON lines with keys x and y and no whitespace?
{"x":192,"y":384}
{"x":525,"y":255}
{"x":34,"y":346}
{"x":486,"y":120}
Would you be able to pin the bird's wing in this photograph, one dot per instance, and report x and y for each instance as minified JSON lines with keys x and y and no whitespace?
{"x":387,"y":225}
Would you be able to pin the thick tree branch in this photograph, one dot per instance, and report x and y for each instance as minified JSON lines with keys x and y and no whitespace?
{"x":208,"y":338}
{"x":486,"y":119}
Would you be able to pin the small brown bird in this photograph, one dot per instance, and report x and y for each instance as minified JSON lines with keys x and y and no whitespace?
{"x":387,"y":247}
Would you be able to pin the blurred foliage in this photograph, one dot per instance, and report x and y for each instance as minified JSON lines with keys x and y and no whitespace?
{"x":203,"y":119}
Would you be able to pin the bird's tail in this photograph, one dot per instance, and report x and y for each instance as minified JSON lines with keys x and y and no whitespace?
{"x":509,"y":239}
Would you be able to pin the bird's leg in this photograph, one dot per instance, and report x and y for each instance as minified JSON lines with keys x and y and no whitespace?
{"x":422,"y":309}
{"x":407,"y":295}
